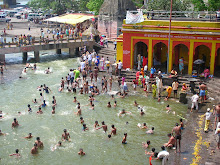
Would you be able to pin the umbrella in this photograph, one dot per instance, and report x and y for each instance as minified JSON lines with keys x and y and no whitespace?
{"x":199,"y":61}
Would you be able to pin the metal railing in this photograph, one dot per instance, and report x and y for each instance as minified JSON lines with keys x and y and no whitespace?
{"x":181,"y":15}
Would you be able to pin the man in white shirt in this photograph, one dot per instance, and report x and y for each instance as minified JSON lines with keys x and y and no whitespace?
{"x":164,"y":155}
{"x":145,"y":69}
{"x":195,"y":99}
{"x":82,"y":64}
{"x":175,"y":85}
{"x":90,"y":59}
{"x":71,"y":76}
{"x":159,"y":85}
{"x":120,"y":65}
{"x":208,"y":115}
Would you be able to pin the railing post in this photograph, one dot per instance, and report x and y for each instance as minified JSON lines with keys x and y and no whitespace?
{"x":40,"y":40}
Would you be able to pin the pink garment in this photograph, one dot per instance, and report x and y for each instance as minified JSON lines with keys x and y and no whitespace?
{"x":123,"y":80}
{"x":137,"y":75}
{"x":206,"y":73}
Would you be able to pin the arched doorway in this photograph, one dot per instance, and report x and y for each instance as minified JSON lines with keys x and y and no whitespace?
{"x":142,"y":49}
{"x":180,"y":50}
{"x":202,"y":52}
{"x":217,"y":64}
{"x":160,"y":56}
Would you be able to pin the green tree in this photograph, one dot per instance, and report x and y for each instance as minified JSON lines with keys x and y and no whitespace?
{"x":213,"y":5}
{"x":82,"y":5}
{"x":199,"y":5}
{"x":94,"y":5}
{"x":58,"y":6}
{"x":178,"y":5}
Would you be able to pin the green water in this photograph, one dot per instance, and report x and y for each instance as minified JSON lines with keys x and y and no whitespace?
{"x":15,"y":96}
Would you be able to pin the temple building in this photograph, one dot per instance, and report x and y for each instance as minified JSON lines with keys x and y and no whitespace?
{"x":191,"y":40}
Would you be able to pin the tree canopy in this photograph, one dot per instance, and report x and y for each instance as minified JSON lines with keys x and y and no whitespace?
{"x":62,"y":6}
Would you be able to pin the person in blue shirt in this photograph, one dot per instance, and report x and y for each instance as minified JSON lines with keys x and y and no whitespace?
{"x":152,"y":71}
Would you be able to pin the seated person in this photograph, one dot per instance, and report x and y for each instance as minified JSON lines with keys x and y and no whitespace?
{"x":206,"y":73}
{"x":184,"y":87}
{"x":173,"y":72}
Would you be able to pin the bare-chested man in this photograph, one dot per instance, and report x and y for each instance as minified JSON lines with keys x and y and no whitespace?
{"x":1,"y":133}
{"x":96,"y":124}
{"x":39,"y":143}
{"x":86,"y":87}
{"x":105,"y":84}
{"x":103,"y":126}
{"x":29,"y":136}
{"x":84,"y":74}
{"x":110,"y":82}
{"x":217,"y":114}
{"x":96,"y":73}
{"x":65,"y":135}
{"x":15,"y":123}
{"x":171,"y":142}
{"x":124,"y":112}
{"x":79,"y":112}
{"x":177,"y":130}
{"x":113,"y":130}
{"x":34,"y":150}
{"x":39,"y":111}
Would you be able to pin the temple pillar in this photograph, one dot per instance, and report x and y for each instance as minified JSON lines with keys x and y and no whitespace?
{"x":191,"y":52}
{"x":213,"y":57}
{"x":150,"y":55}
{"x":170,"y":54}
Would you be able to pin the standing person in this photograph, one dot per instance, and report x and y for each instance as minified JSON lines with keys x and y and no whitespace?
{"x":65,"y":135}
{"x":34,"y":150}
{"x":124,"y":140}
{"x":2,"y":74}
{"x":39,"y":142}
{"x":217,"y":132}
{"x":115,"y":43}
{"x":139,"y":62}
{"x":152,"y":71}
{"x":159,"y":85}
{"x":15,"y":123}
{"x":202,"y":88}
{"x":96,"y":73}
{"x":175,"y":85}
{"x":107,"y":62}
{"x":113,"y":130}
{"x":208,"y":115}
{"x":195,"y":101}
{"x":104,"y":126}
{"x":217,"y":114}
{"x":181,"y":65}
{"x":29,"y":26}
{"x":102,"y":62}
{"x":120,"y":65}
{"x":177,"y":130}
{"x":106,"y":42}
{"x":90,"y":59}
{"x":154,"y":90}
{"x":82,"y":65}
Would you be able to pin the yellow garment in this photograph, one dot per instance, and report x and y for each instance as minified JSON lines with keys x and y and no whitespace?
{"x":154,"y":91}
{"x":169,"y":90}
{"x":207,"y":122}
